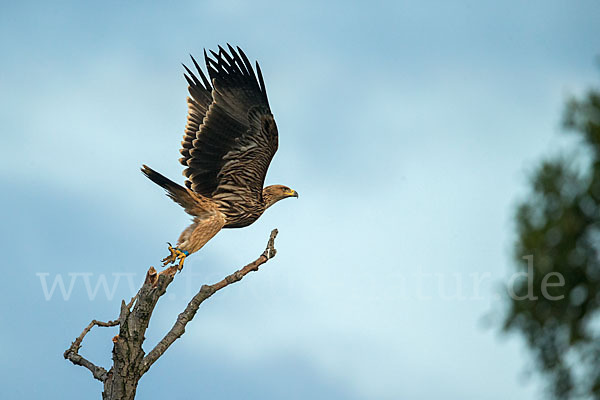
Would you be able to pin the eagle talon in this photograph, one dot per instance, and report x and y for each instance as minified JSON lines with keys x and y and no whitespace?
{"x":171,"y":258}
{"x":181,"y":259}
{"x":176,"y":254}
{"x":181,"y":255}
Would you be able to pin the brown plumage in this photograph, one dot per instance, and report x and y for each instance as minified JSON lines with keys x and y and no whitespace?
{"x":229,"y":141}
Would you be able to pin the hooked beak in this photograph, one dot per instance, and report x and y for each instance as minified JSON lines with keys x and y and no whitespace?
{"x":293,"y":193}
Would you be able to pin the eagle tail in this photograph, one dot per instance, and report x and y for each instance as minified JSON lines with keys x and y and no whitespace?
{"x":175,"y":191}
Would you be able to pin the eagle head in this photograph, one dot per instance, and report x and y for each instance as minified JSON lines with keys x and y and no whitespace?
{"x":272,"y":194}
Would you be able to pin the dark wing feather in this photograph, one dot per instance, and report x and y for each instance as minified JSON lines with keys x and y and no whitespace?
{"x":237,"y":138}
{"x":198,"y":103}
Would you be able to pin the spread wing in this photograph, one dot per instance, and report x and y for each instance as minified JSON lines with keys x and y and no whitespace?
{"x":231,"y":135}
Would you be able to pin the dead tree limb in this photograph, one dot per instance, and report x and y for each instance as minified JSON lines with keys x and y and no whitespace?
{"x":129,"y":359}
{"x":72,"y":353}
{"x":205,"y":292}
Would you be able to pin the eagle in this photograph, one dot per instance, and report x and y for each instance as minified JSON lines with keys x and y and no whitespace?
{"x":229,"y":141}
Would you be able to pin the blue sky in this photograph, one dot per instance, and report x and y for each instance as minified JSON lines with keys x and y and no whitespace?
{"x":407,"y":127}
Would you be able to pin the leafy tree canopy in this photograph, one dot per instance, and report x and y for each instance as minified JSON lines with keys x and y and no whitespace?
{"x":556,"y":309}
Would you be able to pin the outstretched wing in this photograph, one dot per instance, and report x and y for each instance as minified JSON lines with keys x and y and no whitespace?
{"x":228,"y":156}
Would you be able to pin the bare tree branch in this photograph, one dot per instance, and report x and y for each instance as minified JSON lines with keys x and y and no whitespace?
{"x":129,"y":359}
{"x":72,"y":353}
{"x":205,"y":292}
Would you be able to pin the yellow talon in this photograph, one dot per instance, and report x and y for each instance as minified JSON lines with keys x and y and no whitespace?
{"x":179,"y":253}
{"x":175,"y":254}
{"x":181,"y":259}
{"x":171,"y":258}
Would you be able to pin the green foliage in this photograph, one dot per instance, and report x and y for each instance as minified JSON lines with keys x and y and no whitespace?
{"x":559,"y":226}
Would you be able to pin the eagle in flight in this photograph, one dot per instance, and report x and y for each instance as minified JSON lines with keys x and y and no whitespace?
{"x":229,"y":141}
